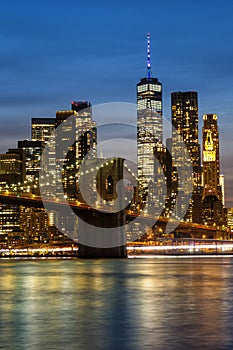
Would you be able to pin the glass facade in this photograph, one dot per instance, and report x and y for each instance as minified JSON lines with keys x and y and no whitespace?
{"x":213,"y":212}
{"x":85,"y":135}
{"x":184,"y":107}
{"x":42,"y":128}
{"x":149,"y":124}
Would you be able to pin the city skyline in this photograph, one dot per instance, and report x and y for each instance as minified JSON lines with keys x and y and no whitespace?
{"x":43,"y":68}
{"x":116,"y":230}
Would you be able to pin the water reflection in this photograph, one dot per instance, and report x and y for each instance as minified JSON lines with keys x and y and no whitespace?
{"x":117,"y":304}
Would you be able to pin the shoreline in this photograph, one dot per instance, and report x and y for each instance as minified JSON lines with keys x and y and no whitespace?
{"x":130,"y":256}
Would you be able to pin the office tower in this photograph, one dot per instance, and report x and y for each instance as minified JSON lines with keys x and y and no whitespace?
{"x":171,"y":180}
{"x":42,"y":129}
{"x":222,"y":184}
{"x":185,"y":122}
{"x":34,"y":224}
{"x":213,"y":213}
{"x":158,"y":189}
{"x":12,"y":175}
{"x":230,"y":220}
{"x":9,"y":218}
{"x":67,"y":158}
{"x":12,"y":168}
{"x":33,"y":221}
{"x":83,"y":130}
{"x":86,"y":132}
{"x":33,"y":151}
{"x":149,"y":124}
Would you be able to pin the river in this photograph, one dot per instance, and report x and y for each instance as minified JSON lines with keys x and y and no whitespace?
{"x":129,"y":304}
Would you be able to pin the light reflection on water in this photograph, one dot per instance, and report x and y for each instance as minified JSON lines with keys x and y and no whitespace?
{"x":117,"y":304}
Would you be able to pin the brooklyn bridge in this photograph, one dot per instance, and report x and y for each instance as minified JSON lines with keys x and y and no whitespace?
{"x":106,"y":218}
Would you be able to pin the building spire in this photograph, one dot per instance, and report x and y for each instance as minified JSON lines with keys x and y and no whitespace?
{"x":148,"y":70}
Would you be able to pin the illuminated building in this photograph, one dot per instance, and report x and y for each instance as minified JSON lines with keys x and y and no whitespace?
{"x":33,"y":151}
{"x":34,"y":223}
{"x":164,"y":192}
{"x":42,"y":128}
{"x":213,"y":213}
{"x":12,"y":168}
{"x":66,"y":159}
{"x":83,"y":131}
{"x":12,"y":174}
{"x":9,"y":218}
{"x":149,"y":124}
{"x":185,"y":122}
{"x":222,"y":184}
{"x":158,"y":188}
{"x":230,"y":219}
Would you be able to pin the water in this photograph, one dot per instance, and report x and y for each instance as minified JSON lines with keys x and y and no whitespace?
{"x":164,"y":303}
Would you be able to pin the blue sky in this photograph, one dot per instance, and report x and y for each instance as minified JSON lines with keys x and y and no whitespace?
{"x":54,"y":51}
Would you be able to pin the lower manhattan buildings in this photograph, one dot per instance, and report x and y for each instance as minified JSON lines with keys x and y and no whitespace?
{"x":149,"y":124}
{"x":155,"y":160}
{"x":157,"y":174}
{"x":82,"y":129}
{"x":185,"y":123}
{"x":213,"y":209}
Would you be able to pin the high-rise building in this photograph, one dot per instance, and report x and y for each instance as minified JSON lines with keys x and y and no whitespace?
{"x":149,"y":123}
{"x":12,"y":175}
{"x":67,"y":158}
{"x":222,"y":184}
{"x":83,"y":130}
{"x":86,"y":132}
{"x":185,"y":122}
{"x":34,"y":223}
{"x":33,"y":151}
{"x":159,"y":188}
{"x":9,"y":218}
{"x":213,"y":213}
{"x":230,"y":220}
{"x":42,"y":129}
{"x":12,"y":168}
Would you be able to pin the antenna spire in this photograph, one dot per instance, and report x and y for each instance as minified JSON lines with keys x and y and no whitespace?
{"x":148,"y":57}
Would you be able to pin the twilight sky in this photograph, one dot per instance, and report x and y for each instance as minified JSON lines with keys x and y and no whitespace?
{"x":54,"y":51}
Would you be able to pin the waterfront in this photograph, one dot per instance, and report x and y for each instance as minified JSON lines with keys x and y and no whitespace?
{"x":163,"y":303}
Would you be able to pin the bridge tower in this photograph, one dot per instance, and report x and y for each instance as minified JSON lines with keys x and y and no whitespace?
{"x":106,"y":228}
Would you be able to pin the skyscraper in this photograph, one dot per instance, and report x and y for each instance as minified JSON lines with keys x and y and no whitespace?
{"x":222,"y":184}
{"x":86,"y":132}
{"x":33,"y":151}
{"x":213,"y":213}
{"x":149,"y":91}
{"x":185,"y":122}
{"x":9,"y":218}
{"x":12,"y":168}
{"x":12,"y":174}
{"x":149,"y":123}
{"x":42,"y":128}
{"x":66,"y":158}
{"x":83,"y":129}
